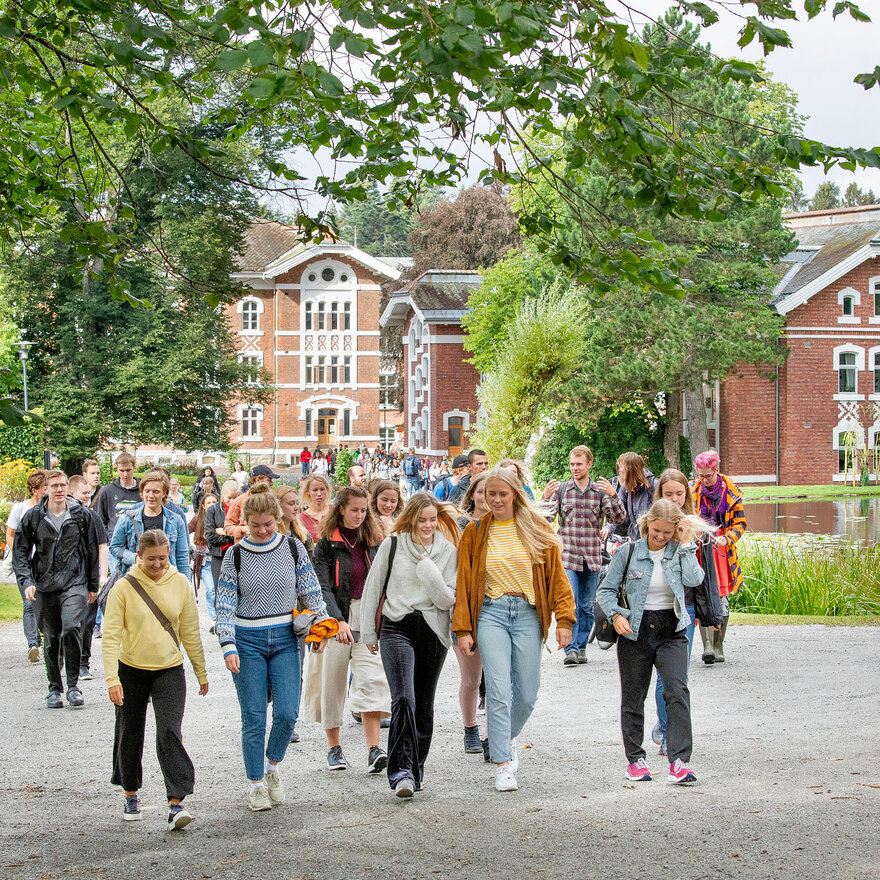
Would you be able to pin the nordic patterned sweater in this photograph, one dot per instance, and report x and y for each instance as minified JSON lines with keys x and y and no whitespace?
{"x":264,"y":593}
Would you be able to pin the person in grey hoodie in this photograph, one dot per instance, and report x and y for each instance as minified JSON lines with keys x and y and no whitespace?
{"x":418,"y":591}
{"x":635,"y":489}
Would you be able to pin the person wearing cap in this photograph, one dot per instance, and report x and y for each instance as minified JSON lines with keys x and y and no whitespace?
{"x":233,"y":526}
{"x":445,"y":485}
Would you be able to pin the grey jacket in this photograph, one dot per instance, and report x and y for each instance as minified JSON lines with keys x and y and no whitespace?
{"x":680,"y":567}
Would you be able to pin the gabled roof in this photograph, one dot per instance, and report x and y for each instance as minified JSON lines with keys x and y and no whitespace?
{"x":271,"y":249}
{"x":438,"y":296}
{"x":830,"y":244}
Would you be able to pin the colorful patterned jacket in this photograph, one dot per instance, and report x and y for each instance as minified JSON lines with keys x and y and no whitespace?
{"x":734,"y":525}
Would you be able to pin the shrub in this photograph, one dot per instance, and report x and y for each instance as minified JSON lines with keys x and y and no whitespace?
{"x":26,"y":442}
{"x":345,"y":459}
{"x":13,"y":478}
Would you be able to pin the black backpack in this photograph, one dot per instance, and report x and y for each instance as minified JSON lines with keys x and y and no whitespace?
{"x":236,"y":554}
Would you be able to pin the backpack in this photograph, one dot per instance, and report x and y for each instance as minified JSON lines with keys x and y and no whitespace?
{"x":410,"y":466}
{"x":446,"y":487}
{"x":236,"y":554}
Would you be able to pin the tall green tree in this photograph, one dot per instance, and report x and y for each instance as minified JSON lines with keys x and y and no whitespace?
{"x":378,"y":225}
{"x":827,"y":196}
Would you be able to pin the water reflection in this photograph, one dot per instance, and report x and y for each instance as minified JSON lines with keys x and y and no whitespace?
{"x":852,"y":519}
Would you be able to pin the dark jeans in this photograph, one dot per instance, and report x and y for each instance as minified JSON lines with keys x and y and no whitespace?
{"x":660,"y":646}
{"x":413,"y":657}
{"x":167,"y":689}
{"x":29,"y":621}
{"x":88,"y":627}
{"x":216,"y":562}
{"x":60,"y":616}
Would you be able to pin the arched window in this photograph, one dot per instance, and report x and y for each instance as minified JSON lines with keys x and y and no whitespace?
{"x":849,"y":360}
{"x":250,"y":316}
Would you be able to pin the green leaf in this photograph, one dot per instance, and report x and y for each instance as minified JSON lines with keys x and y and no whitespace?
{"x":231,"y":59}
{"x":329,"y":83}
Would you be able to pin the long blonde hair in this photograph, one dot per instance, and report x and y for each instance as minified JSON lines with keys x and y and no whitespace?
{"x":534,"y":531}
{"x":669,"y":511}
{"x":446,"y":520}
{"x":297,"y":529}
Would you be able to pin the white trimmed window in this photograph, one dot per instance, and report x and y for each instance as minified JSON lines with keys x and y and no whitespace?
{"x":308,"y":314}
{"x":346,"y":422}
{"x":253,"y":362}
{"x":346,"y":370}
{"x":308,"y":431}
{"x":849,"y":361}
{"x":874,"y":367}
{"x":250,"y":308}
{"x":848,"y":299}
{"x":250,"y":416}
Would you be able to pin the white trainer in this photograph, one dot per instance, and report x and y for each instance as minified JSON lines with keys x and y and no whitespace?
{"x":514,"y":756}
{"x":259,"y":799}
{"x":275,"y":786}
{"x":504,"y":778}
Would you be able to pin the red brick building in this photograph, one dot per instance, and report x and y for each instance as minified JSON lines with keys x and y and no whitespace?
{"x":793,"y":431}
{"x":440,"y":399}
{"x":311,"y":318}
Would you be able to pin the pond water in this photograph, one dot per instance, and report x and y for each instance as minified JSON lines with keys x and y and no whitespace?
{"x":852,"y":519}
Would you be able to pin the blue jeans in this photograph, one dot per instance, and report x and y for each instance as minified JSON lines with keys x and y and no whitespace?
{"x":583,"y":585}
{"x":267,"y":656}
{"x":658,"y":691}
{"x":208,"y":581}
{"x":509,"y":638}
{"x":413,"y":485}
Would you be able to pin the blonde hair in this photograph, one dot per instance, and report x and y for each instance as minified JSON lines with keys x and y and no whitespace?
{"x":671,"y":475}
{"x":297,"y":529}
{"x":125,"y":458}
{"x":467,"y":501}
{"x":260,"y":500}
{"x":377,"y":487}
{"x":406,"y":522}
{"x":518,"y":466}
{"x":534,"y":531}
{"x":74,"y":483}
{"x":669,"y":511}
{"x":156,"y":477}
{"x":230,"y":490}
{"x":310,"y":480}
{"x":152,"y":538}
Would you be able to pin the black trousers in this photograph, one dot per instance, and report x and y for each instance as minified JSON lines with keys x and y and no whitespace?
{"x":660,"y":646}
{"x":60,"y":615}
{"x":88,"y":628}
{"x":216,"y":562}
{"x":413,"y":658}
{"x":167,"y":689}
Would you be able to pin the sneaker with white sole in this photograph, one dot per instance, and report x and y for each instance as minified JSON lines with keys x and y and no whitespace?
{"x":259,"y":799}
{"x":275,"y":787}
{"x":336,"y":760}
{"x":377,"y":760}
{"x":131,"y":812}
{"x":638,"y":771}
{"x":680,"y":773}
{"x":514,"y":756}
{"x":404,"y":788}
{"x":178,"y":817}
{"x":504,"y":778}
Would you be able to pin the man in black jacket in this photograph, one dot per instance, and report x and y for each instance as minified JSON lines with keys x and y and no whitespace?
{"x":119,"y":496}
{"x":55,"y":556}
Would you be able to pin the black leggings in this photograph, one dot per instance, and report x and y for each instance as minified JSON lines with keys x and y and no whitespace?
{"x":167,"y":689}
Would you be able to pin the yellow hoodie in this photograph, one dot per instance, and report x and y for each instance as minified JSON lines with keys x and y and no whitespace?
{"x":133,"y":635}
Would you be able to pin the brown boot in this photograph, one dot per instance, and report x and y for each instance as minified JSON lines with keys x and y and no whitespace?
{"x":708,"y":647}
{"x":719,"y":641}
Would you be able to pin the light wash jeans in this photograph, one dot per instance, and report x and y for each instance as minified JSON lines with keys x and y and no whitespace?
{"x":658,"y":691}
{"x":268,"y":655}
{"x":509,"y":638}
{"x":208,"y":581}
{"x":583,"y":585}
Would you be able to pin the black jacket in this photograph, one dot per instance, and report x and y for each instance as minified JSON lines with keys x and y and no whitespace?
{"x":52,"y":562}
{"x":116,"y":499}
{"x":332,"y":563}
{"x":215,"y":519}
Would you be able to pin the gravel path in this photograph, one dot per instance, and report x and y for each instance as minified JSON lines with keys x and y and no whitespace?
{"x":785,"y":743}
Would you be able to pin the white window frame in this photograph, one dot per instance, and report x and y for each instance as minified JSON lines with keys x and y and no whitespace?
{"x":849,"y":348}
{"x":257,"y":310}
{"x":256,"y":356}
{"x":874,"y":369}
{"x":849,"y":293}
{"x":874,"y":293}
{"x":257,"y":420}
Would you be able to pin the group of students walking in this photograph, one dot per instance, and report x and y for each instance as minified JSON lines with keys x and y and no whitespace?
{"x":324,"y":601}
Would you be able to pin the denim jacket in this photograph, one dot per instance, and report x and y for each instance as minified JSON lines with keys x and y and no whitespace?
{"x":680,"y":567}
{"x":130,"y":527}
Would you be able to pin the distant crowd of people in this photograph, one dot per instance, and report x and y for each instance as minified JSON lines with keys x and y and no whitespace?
{"x":324,"y":597}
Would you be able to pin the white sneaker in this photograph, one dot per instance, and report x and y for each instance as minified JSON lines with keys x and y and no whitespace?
{"x":259,"y":799}
{"x":275,"y":786}
{"x":504,"y":778}
{"x":514,"y":756}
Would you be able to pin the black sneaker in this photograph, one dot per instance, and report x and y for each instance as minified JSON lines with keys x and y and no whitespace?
{"x":75,"y":698}
{"x":485,"y":744}
{"x":472,"y":743}
{"x":336,"y":760}
{"x":357,"y":717}
{"x":54,"y":701}
{"x":377,"y":760}
{"x":571,"y":658}
{"x":178,"y":817}
{"x":131,"y":812}
{"x":85,"y":674}
{"x":582,"y":656}
{"x":213,"y":630}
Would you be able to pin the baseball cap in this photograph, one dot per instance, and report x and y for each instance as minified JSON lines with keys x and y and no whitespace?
{"x":459,"y":461}
{"x":262,"y":470}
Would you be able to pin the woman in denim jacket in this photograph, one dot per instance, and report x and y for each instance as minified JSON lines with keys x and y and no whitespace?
{"x":653,"y":632}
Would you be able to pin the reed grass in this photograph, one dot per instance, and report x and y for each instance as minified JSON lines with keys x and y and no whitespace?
{"x":781,"y":576}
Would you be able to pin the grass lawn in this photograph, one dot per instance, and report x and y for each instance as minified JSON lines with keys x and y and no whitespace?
{"x":737,"y":618}
{"x":10,"y":603}
{"x":772,"y":493}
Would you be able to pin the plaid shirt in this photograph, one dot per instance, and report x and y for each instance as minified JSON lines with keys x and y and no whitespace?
{"x":580,"y":519}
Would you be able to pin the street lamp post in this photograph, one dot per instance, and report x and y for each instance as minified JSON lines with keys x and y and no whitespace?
{"x":22,"y":347}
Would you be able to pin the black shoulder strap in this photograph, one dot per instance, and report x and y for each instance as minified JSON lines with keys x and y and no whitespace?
{"x":391,"y":553}
{"x":621,"y":593}
{"x":291,"y":542}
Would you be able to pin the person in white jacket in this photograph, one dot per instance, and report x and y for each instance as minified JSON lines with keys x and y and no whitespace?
{"x":415,"y":633}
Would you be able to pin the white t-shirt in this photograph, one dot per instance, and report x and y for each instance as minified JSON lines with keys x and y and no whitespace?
{"x":19,"y":509}
{"x":660,"y":596}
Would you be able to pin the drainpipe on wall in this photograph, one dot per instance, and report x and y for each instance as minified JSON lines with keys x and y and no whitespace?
{"x":777,"y":425}
{"x":274,"y":376}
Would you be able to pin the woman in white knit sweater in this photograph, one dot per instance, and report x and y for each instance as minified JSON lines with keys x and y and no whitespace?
{"x":415,"y":632}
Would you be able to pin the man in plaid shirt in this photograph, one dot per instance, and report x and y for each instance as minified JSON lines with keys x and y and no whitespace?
{"x":582,"y":505}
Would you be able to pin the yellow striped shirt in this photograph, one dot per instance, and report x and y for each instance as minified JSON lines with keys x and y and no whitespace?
{"x":508,"y":564}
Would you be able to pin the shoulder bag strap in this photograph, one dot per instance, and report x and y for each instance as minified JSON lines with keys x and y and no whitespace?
{"x":621,"y":593}
{"x":157,"y":611}
{"x":391,"y":553}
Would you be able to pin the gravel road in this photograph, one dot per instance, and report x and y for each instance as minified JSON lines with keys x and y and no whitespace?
{"x":785,"y":738}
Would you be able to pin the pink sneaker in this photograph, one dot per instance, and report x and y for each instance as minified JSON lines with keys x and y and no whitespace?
{"x":680,"y":773}
{"x":638,"y":772}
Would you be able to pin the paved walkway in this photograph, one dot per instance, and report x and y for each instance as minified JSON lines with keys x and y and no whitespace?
{"x":786,"y":752}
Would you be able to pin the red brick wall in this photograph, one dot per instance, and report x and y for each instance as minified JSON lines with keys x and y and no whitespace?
{"x":748,"y":423}
{"x":453,"y":382}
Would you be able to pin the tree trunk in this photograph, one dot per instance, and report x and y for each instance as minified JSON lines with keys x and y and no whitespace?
{"x":698,"y":432}
{"x":672,"y":429}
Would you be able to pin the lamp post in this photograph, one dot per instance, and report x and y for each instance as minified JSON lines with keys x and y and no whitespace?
{"x":23,"y":347}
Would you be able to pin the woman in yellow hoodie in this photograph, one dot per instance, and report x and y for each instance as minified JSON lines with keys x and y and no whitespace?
{"x":142,"y":661}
